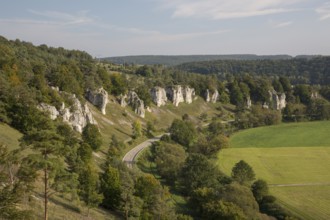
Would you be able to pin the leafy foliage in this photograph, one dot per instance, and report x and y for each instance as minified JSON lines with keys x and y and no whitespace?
{"x":92,"y":136}
{"x":183,"y":132}
{"x":242,"y":172}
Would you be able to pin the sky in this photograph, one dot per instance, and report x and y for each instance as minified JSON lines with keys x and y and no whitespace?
{"x":106,"y":28}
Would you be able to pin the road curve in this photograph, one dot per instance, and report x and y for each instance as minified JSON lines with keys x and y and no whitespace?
{"x":132,"y":154}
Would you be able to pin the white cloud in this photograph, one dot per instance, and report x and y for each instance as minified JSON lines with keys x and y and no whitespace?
{"x":226,"y":9}
{"x":283,"y":24}
{"x":324,"y":11}
{"x":80,"y":17}
{"x":184,"y":36}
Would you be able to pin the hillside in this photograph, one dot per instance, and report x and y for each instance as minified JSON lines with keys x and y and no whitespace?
{"x":293,"y":158}
{"x":44,"y":105}
{"x":313,"y":70}
{"x":71,"y":118}
{"x":172,"y":60}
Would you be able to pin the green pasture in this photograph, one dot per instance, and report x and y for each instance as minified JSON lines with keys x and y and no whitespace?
{"x":305,"y":134}
{"x":293,"y":158}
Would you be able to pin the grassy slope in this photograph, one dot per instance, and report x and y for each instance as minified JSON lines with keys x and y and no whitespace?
{"x":117,"y":123}
{"x":274,"y":161}
{"x":59,"y":207}
{"x":9,"y":136}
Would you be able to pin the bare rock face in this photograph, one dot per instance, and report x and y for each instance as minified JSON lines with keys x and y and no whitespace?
{"x":158,"y":96}
{"x":174,"y":93}
{"x":314,"y":95}
{"x":99,"y":98}
{"x":282,"y":101}
{"x":178,"y":94}
{"x":248,"y":102}
{"x":77,"y":115}
{"x":122,"y":100}
{"x":265,"y":105}
{"x":211,"y":96}
{"x":53,"y":113}
{"x":277,"y":102}
{"x":136,"y":103}
{"x":188,"y":94}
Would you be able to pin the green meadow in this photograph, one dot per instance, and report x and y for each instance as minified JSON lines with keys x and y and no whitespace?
{"x":9,"y":136}
{"x":293,"y":158}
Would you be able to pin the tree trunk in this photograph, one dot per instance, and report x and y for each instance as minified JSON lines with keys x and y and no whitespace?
{"x":46,"y":193}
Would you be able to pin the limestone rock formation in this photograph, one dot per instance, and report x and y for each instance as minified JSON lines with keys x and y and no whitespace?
{"x":248,"y":102}
{"x":174,"y":94}
{"x":177,"y":94}
{"x":53,"y":113}
{"x":188,"y":94}
{"x":277,"y":101}
{"x":99,"y":98}
{"x":158,"y":96}
{"x":282,"y":101}
{"x":77,"y":115}
{"x":211,"y":96}
{"x":315,"y":95}
{"x":136,"y":103}
{"x":122,"y":100}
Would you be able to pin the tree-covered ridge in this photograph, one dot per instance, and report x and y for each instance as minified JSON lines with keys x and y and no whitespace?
{"x":64,"y":160}
{"x":311,"y":70}
{"x":171,"y":60}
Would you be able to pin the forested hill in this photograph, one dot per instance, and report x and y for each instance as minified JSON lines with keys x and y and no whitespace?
{"x":306,"y":69}
{"x":176,"y":60}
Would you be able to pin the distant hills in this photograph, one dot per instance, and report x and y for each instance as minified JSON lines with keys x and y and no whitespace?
{"x":172,"y":60}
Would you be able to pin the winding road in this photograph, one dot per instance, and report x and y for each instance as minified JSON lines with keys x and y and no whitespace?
{"x":132,"y":154}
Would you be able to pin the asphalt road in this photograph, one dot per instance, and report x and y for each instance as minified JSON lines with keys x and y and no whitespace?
{"x":130,"y":156}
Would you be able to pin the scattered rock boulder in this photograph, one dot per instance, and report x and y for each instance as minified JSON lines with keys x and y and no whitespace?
{"x":99,"y":98}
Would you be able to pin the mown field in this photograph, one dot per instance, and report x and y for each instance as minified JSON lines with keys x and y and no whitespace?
{"x":293,"y":158}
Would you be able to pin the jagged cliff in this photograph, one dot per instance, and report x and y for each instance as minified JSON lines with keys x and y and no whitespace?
{"x":277,"y":101}
{"x":211,"y":96}
{"x":158,"y":95}
{"x":77,"y":115}
{"x":248,"y":102}
{"x":177,"y":94}
{"x":99,"y":98}
{"x":133,"y":100}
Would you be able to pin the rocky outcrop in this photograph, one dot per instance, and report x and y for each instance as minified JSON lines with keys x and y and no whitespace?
{"x":211,"y":96}
{"x":188,"y":94}
{"x":136,"y":103}
{"x":158,"y":96}
{"x":248,"y":102}
{"x":53,"y":113}
{"x":277,"y":101}
{"x":314,"y":95}
{"x":99,"y":98}
{"x":177,"y":94}
{"x":282,"y":101}
{"x":122,"y":100}
{"x":174,"y":94}
{"x":77,"y":115}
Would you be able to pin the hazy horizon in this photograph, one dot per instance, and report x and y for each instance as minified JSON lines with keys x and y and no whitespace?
{"x":177,"y":27}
